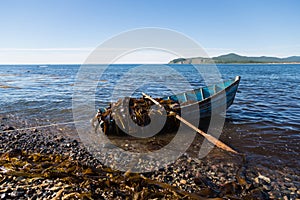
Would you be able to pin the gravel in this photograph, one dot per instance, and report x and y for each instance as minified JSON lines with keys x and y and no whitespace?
{"x":45,"y":164}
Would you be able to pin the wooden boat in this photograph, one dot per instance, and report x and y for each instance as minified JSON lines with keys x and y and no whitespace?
{"x":129,"y":113}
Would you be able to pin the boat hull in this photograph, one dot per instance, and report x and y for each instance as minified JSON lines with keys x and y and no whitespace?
{"x":131,"y":115}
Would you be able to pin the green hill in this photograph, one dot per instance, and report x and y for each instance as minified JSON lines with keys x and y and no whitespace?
{"x":235,"y":58}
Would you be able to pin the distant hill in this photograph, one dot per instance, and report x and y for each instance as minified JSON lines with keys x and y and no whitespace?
{"x":235,"y":58}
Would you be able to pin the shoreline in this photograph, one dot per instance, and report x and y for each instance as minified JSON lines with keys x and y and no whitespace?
{"x":39,"y":162}
{"x":297,"y":63}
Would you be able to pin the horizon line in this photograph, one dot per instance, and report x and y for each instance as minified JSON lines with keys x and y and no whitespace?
{"x":128,"y":62}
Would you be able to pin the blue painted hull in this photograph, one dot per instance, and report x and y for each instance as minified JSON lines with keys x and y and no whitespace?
{"x":212,"y":99}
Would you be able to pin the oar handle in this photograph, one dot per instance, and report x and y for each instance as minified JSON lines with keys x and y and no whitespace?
{"x":210,"y":138}
{"x":153,"y":100}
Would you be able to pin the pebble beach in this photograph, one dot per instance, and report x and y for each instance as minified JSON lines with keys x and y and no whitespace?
{"x":46,"y":164}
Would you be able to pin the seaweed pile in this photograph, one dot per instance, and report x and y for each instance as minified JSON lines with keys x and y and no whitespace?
{"x":116,"y":118}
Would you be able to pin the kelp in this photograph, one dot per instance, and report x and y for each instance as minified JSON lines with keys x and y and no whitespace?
{"x":36,"y":165}
{"x":99,"y":180}
{"x":116,"y":118}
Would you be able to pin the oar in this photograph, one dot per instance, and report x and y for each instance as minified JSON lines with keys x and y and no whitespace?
{"x":210,"y":138}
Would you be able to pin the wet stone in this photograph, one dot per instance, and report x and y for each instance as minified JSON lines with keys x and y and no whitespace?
{"x":8,"y":128}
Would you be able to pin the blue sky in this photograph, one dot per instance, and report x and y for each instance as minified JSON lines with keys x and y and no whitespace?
{"x":66,"y":31}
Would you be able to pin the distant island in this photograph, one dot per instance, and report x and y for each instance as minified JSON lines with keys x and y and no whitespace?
{"x":235,"y":58}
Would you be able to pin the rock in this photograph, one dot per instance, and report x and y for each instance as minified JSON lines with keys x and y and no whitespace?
{"x":16,"y":194}
{"x":286,"y":191}
{"x":287,"y":179}
{"x":256,"y":194}
{"x":74,"y":143}
{"x":15,"y":152}
{"x":168,"y":178}
{"x":292,"y":189}
{"x":35,"y":130}
{"x":8,"y":128}
{"x":183,"y":181}
{"x":267,"y":187}
{"x":268,"y":180}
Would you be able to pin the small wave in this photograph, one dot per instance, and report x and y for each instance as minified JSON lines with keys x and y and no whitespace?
{"x":8,"y":87}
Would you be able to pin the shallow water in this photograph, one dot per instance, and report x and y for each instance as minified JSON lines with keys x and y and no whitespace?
{"x":263,"y":122}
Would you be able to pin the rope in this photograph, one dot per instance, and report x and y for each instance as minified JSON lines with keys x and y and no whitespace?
{"x":43,"y":126}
